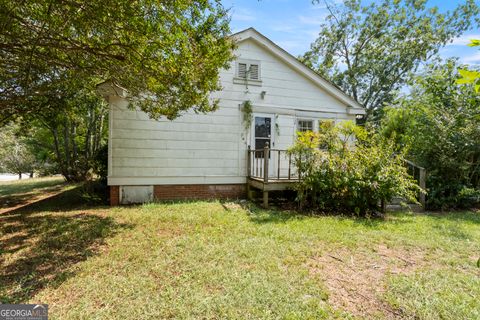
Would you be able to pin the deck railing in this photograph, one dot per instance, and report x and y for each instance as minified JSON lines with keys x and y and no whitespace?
{"x":271,"y":164}
{"x":420,"y":175}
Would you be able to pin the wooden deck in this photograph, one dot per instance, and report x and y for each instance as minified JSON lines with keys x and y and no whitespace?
{"x":273,"y":170}
{"x":270,"y":170}
{"x":271,"y":184}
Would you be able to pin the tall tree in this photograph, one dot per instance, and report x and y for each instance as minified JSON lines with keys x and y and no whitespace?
{"x":439,"y":121}
{"x":72,"y":138}
{"x":15,"y":154}
{"x":370,"y":50}
{"x":167,"y":54}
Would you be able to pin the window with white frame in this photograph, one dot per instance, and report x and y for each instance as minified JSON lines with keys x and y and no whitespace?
{"x":304,"y":125}
{"x":248,"y":69}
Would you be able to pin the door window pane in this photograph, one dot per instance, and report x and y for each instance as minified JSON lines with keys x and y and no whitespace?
{"x":262,"y":127}
{"x":260,"y":143}
{"x":263,"y":131}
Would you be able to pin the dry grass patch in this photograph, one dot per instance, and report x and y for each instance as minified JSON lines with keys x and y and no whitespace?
{"x":356,"y":279}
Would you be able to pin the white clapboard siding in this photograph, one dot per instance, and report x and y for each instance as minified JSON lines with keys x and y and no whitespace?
{"x":174,"y":172}
{"x":172,"y":135}
{"x":179,"y":154}
{"x":178,"y":163}
{"x":211,"y":148}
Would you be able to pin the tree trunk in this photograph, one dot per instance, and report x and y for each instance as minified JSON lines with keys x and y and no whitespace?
{"x":73,"y":134}
{"x":66,"y":145}
{"x":100,"y":130}
{"x":60,"y":160}
{"x":87,"y":140}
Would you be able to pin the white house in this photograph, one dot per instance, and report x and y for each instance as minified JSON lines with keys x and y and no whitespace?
{"x":205,"y":156}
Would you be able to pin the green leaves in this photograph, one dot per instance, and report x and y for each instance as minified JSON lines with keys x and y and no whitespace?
{"x":345,"y":178}
{"x":439,"y":121}
{"x":370,"y":51}
{"x":167,"y":54}
{"x":470,"y":76}
{"x":15,"y":154}
{"x":474,"y":43}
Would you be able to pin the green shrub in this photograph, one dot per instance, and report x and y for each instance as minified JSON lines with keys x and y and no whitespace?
{"x":96,"y":189}
{"x":346,"y":177}
{"x":100,"y":163}
{"x":439,"y":120}
{"x":468,"y":198}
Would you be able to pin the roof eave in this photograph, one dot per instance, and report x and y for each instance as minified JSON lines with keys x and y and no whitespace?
{"x":253,"y":34}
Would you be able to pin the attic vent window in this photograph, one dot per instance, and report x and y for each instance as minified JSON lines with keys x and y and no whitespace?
{"x":248,"y":70}
{"x":242,"y":70}
{"x":253,"y":72}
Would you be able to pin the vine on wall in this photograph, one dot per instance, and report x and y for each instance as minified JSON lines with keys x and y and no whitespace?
{"x":247,"y":110}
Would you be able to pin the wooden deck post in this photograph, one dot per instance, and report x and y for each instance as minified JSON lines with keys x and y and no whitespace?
{"x":249,"y":162}
{"x":249,"y":191}
{"x":289,"y":165}
{"x":249,"y":173}
{"x":278,"y":165}
{"x":265,"y":199}
{"x":422,"y":182}
{"x":265,"y":162}
{"x":265,"y":173}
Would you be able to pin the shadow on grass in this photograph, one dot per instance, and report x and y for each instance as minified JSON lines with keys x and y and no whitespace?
{"x":23,"y":194}
{"x":260,"y":215}
{"x":23,"y":186}
{"x":43,"y":241}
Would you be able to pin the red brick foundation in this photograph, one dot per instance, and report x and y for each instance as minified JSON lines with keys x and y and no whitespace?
{"x":114,"y":195}
{"x":189,"y":191}
{"x":199,"y":191}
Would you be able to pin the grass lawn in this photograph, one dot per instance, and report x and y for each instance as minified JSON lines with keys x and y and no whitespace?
{"x":215,"y":260}
{"x":21,"y":192}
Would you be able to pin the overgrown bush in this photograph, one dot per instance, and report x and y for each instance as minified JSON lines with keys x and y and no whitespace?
{"x":100,"y":163}
{"x":95,"y":190}
{"x":343,"y":176}
{"x":440,"y":121}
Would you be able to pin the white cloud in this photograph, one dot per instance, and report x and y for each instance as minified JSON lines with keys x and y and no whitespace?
{"x":287,"y":28}
{"x":464,"y":39}
{"x":242,"y":14}
{"x":315,"y":20}
{"x":321,"y":4}
{"x":471,"y":59}
{"x":292,"y":46}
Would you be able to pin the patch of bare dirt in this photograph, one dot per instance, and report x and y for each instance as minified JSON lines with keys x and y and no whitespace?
{"x":356,"y":279}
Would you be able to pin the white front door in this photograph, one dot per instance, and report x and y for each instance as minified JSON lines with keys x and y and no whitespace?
{"x":263,"y":133}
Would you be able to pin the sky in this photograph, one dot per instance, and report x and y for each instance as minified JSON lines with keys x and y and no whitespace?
{"x":294,"y":24}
